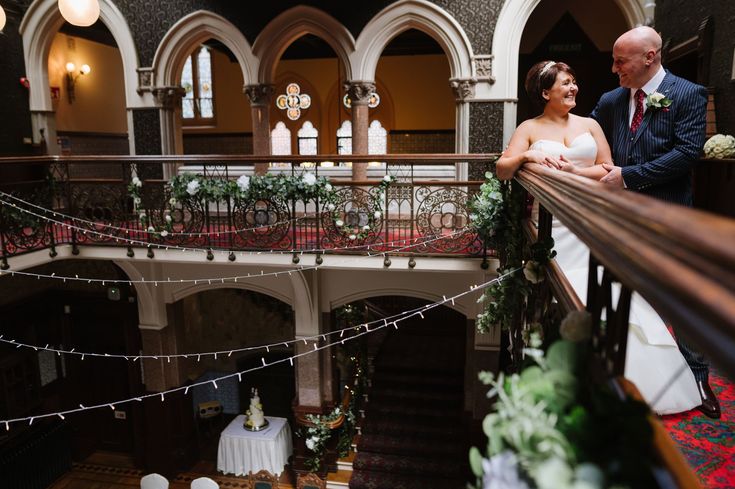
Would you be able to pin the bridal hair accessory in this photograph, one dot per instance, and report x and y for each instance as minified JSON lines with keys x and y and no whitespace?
{"x":546,"y":68}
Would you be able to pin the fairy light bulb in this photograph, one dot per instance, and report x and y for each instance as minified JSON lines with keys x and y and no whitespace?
{"x":82,"y":13}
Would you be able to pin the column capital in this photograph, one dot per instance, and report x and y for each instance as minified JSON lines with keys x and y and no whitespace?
{"x":259,"y":95}
{"x":464,"y":88}
{"x":359,"y":91}
{"x":168,"y":97}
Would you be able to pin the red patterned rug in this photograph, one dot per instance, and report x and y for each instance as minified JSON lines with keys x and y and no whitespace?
{"x":709,"y":444}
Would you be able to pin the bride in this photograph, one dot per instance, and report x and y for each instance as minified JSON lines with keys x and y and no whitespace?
{"x":561,"y":140}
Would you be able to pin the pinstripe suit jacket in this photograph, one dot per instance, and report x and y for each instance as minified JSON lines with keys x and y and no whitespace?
{"x":657,"y":159}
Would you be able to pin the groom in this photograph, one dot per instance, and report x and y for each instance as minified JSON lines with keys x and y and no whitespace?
{"x":655,"y":123}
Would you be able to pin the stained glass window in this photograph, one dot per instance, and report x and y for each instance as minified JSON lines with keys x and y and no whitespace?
{"x":344,"y":138}
{"x":197,"y":105}
{"x":308,"y":137}
{"x":377,"y":139}
{"x":293,"y":101}
{"x":281,"y":140}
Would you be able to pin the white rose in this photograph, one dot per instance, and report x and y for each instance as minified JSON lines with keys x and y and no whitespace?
{"x":720,"y":146}
{"x":164,"y":233}
{"x":136,"y":200}
{"x":533,"y":272}
{"x":339,"y":223}
{"x":136,"y":181}
{"x":309,"y":179}
{"x":328,"y":187}
{"x":151,"y":229}
{"x":172,"y":201}
{"x":330,"y":207}
{"x":553,"y":473}
{"x":387,"y":178}
{"x":377,"y":214}
{"x":352,"y":237}
{"x":310,"y":443}
{"x":243,"y":182}
{"x":142,"y":216}
{"x":168,"y":218}
{"x":576,"y":326}
{"x":365,"y":227}
{"x":193,"y":187}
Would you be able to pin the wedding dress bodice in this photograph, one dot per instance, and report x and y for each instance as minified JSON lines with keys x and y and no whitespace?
{"x":582,"y":152}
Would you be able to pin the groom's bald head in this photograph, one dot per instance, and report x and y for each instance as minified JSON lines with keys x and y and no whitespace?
{"x":637,"y":56}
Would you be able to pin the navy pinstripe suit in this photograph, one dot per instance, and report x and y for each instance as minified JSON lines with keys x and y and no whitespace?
{"x":657,"y":159}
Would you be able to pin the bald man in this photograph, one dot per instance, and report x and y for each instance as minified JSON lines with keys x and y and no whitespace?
{"x":655,"y":124}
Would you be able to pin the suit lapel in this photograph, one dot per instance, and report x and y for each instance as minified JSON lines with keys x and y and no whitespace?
{"x":665,"y":88}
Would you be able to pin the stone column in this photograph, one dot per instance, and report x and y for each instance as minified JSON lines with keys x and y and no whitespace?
{"x":464,"y":91}
{"x":260,"y":105}
{"x":172,"y":142}
{"x":359,"y":93}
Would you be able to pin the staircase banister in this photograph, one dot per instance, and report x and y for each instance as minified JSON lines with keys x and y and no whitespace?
{"x":679,"y":259}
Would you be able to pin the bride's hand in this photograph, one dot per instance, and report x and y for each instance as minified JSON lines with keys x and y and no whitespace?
{"x":567,"y":165}
{"x":541,"y":158}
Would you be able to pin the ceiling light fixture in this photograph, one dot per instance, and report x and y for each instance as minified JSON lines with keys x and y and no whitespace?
{"x":82,"y":13}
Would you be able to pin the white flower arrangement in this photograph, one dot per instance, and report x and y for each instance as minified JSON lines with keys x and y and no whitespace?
{"x":720,"y":146}
{"x":533,"y":272}
{"x":136,"y":181}
{"x":576,"y":326}
{"x":192,"y":187}
{"x":309,"y":179}
{"x":243,"y":183}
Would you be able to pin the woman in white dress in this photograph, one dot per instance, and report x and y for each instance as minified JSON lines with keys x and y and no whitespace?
{"x":561,"y":140}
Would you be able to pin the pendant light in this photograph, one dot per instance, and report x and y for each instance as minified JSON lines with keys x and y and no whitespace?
{"x":2,"y":18}
{"x":82,"y":13}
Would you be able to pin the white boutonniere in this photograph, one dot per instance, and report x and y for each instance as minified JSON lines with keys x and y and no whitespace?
{"x":657,"y":100}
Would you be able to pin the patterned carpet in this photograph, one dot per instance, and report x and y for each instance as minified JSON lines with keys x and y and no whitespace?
{"x":709,"y":444}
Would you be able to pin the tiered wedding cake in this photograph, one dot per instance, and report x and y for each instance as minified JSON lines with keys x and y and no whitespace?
{"x":256,"y":419}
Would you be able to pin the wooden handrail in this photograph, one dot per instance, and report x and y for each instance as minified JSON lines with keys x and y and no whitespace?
{"x":680,"y":260}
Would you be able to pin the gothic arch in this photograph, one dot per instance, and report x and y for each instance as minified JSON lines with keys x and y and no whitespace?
{"x":38,"y":28}
{"x":190,"y":31}
{"x":507,"y":40}
{"x":415,"y":293}
{"x":290,"y":25}
{"x":412,"y":14}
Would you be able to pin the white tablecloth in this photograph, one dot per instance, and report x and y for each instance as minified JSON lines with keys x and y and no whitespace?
{"x":241,"y":451}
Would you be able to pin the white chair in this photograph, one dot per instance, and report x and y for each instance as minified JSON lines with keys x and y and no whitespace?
{"x":153,"y":481}
{"x":204,"y":483}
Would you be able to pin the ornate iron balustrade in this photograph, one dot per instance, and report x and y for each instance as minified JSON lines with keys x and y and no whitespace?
{"x":92,"y":205}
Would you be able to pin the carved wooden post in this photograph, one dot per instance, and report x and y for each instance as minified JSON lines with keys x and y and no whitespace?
{"x":260,"y":98}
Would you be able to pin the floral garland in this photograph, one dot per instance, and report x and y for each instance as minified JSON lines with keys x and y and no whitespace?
{"x":189,"y":187}
{"x":317,"y":436}
{"x":496,"y":215}
{"x":549,"y":431}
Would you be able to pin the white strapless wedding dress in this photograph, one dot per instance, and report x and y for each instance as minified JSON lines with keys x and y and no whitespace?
{"x":653,"y":361}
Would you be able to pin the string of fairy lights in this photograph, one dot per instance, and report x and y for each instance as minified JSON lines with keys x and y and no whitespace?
{"x":368,"y":327}
{"x":149,"y":244}
{"x":57,"y":214}
{"x":215,"y":280}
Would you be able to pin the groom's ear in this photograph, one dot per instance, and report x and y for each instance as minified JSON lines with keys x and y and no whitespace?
{"x":545,"y":94}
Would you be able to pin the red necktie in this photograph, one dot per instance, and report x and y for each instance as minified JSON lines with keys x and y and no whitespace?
{"x":638,"y":114}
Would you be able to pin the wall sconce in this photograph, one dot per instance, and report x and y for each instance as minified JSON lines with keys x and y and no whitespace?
{"x":71,"y":78}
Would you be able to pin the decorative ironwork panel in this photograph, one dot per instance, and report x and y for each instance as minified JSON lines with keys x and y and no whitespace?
{"x":442,"y":211}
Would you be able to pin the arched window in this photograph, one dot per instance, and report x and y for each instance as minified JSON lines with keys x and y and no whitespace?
{"x":377,"y":139}
{"x":281,"y":140}
{"x":344,"y":138}
{"x":197,"y":105}
{"x":308,"y":137}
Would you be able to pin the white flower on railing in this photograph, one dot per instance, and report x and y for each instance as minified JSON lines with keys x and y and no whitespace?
{"x":151,"y":229}
{"x":331,"y":207}
{"x":136,"y":200}
{"x":576,"y":326}
{"x":192,"y":187}
{"x":554,"y":473}
{"x":309,"y":179}
{"x":366,"y":227}
{"x":328,"y":187}
{"x":136,"y":181}
{"x":311,"y":442}
{"x":172,"y":201}
{"x":164,"y":233}
{"x":168,"y":218}
{"x":243,"y":182}
{"x":533,"y":272}
{"x":339,"y":223}
{"x":501,"y":472}
{"x":353,"y":237}
{"x":377,"y":214}
{"x":388,"y":178}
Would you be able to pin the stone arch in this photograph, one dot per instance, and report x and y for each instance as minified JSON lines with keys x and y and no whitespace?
{"x":190,"y":31}
{"x":290,"y":25}
{"x":151,"y":307}
{"x":191,"y":289}
{"x":507,"y":40}
{"x":414,"y":293}
{"x":40,"y":24}
{"x":412,"y":14}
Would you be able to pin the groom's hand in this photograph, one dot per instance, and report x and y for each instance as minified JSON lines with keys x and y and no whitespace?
{"x":614,"y":176}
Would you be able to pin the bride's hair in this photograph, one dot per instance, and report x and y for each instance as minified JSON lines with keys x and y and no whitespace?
{"x":541,"y":77}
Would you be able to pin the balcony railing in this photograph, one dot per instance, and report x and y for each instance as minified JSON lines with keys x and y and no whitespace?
{"x":49,"y":201}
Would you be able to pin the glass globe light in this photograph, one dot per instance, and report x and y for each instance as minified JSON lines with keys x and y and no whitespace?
{"x":70,"y":67}
{"x":2,"y":18}
{"x":81,"y":13}
{"x":85,"y":69}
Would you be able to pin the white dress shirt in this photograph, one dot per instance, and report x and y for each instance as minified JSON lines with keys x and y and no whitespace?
{"x":648,"y":88}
